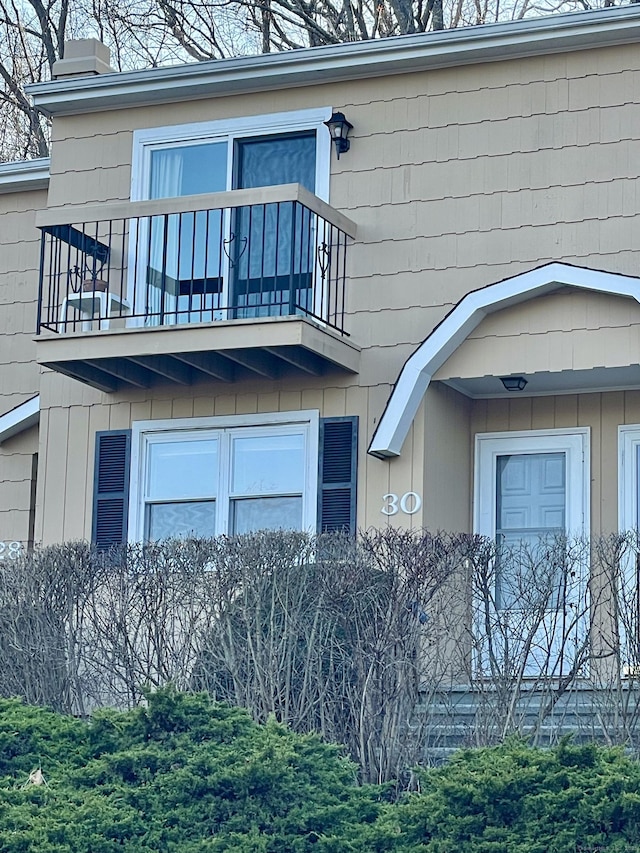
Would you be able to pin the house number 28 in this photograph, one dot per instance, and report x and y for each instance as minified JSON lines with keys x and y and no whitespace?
{"x":10,"y":550}
{"x":409,"y":503}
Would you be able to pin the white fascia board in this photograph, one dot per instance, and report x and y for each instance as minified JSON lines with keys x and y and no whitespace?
{"x":416,"y":374}
{"x":350,"y":61}
{"x":24,"y":175}
{"x":20,"y":419}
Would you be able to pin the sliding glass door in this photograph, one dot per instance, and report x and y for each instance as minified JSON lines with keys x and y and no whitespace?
{"x":252,"y":261}
{"x":184,"y":281}
{"x":274,"y":244}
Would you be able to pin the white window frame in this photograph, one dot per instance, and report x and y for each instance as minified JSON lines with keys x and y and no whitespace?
{"x":628,"y":506}
{"x":146,"y":432}
{"x":575,"y":442}
{"x":628,"y":481}
{"x":230,"y":129}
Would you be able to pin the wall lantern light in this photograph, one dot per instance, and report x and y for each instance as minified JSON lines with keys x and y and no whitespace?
{"x":339,"y":129}
{"x":514,"y":383}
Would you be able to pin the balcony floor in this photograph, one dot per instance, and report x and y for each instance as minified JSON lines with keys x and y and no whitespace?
{"x":227,"y":351}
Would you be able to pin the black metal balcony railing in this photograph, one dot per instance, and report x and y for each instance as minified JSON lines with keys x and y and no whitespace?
{"x":194,"y":263}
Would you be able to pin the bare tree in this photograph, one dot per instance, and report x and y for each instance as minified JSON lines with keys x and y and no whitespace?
{"x":327,"y":634}
{"x":530,"y":632}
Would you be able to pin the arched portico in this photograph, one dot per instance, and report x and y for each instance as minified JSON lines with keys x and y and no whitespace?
{"x":466,"y":316}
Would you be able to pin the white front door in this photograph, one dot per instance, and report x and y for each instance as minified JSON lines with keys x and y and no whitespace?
{"x":531,"y":499}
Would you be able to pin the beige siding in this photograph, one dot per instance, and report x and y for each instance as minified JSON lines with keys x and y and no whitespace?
{"x":456,"y":178}
{"x":448,"y":460}
{"x":19,"y":262}
{"x":19,"y":374}
{"x":68,"y":441}
{"x":571,"y":330}
{"x":16,"y":487}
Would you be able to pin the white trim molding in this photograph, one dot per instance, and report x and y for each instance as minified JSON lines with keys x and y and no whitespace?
{"x":350,"y":61}
{"x":418,"y":371}
{"x":628,"y":479}
{"x":20,"y":418}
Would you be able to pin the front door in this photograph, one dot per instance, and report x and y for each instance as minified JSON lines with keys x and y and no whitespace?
{"x":531,"y":499}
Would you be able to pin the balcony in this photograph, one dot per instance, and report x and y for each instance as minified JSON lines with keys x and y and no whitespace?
{"x":216,"y":286}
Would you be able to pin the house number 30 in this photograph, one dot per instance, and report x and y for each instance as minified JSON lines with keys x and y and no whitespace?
{"x":409,"y":503}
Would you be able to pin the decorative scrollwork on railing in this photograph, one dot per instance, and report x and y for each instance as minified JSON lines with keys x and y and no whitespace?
{"x":324,"y":259}
{"x":232,"y":237}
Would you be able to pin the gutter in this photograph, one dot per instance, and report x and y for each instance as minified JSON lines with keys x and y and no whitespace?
{"x":350,"y":61}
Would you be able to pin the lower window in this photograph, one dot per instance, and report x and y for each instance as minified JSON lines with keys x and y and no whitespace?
{"x":213,"y":476}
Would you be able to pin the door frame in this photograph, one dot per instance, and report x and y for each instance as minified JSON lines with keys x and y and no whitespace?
{"x":575,"y":443}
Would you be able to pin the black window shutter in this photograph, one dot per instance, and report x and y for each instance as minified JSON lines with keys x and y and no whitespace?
{"x":111,"y":488}
{"x":337,"y":475}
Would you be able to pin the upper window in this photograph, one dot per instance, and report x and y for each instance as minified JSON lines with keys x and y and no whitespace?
{"x":250,"y":261}
{"x":211,"y":476}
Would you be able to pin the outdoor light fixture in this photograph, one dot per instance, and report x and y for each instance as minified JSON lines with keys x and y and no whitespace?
{"x":339,"y":129}
{"x":513,"y":383}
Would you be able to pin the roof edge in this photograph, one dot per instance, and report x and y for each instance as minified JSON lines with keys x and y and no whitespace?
{"x":19,"y":419}
{"x":353,"y":60}
{"x":23,"y":175}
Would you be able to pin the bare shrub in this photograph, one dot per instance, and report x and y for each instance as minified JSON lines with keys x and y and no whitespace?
{"x":327,"y":634}
{"x":399,"y":644}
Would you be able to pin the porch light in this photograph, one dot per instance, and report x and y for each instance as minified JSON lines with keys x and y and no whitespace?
{"x":339,"y":129}
{"x":513,"y":383}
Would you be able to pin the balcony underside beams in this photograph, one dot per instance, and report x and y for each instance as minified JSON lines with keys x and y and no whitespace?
{"x":115,"y":360}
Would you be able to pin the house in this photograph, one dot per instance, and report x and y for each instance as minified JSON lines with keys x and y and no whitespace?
{"x":226,"y":326}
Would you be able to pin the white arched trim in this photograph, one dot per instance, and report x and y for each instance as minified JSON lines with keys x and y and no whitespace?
{"x":417,"y":372}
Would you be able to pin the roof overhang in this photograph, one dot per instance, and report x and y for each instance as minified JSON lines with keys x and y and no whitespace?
{"x":24,"y":175}
{"x":350,"y":61}
{"x":418,"y":371}
{"x":20,"y":419}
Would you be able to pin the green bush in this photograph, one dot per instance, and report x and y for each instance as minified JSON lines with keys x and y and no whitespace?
{"x":515,"y":799}
{"x":186,"y":774}
{"x":180,"y":774}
